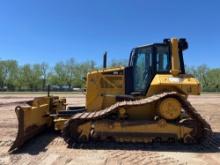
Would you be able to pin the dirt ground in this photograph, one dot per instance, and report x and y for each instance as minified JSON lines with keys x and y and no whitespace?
{"x":49,"y":148}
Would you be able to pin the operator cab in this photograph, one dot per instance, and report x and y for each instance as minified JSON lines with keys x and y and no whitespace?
{"x":147,"y":61}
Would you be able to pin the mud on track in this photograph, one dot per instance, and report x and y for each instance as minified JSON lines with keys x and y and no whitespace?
{"x":49,"y":147}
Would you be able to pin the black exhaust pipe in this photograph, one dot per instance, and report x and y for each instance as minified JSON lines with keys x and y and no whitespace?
{"x":105,"y":60}
{"x":48,"y":90}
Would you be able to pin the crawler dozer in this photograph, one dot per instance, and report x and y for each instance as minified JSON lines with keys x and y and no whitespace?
{"x":143,"y":102}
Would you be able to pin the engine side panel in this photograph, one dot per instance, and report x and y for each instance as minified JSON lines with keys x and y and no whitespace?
{"x":102,"y":87}
{"x":185,"y":84}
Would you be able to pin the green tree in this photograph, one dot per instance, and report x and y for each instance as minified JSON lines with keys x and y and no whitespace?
{"x":26,"y":77}
{"x":71,"y":68}
{"x":213,"y":80}
{"x":119,"y":63}
{"x":81,"y":72}
{"x":44,"y":67}
{"x":30,"y":77}
{"x":8,"y":74}
{"x":59,"y":75}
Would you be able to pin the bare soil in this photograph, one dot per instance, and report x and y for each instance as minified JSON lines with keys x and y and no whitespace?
{"x":49,"y":147}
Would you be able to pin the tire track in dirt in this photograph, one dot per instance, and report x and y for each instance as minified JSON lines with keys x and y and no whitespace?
{"x":140,"y":157}
{"x":51,"y":149}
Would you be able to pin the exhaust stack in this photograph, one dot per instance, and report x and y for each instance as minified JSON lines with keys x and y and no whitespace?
{"x":105,"y":60}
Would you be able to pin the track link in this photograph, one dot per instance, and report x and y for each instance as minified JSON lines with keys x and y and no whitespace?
{"x":71,"y":133}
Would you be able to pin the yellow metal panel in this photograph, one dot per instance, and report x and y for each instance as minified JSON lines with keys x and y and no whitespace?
{"x":142,"y":126}
{"x":185,"y":84}
{"x":107,"y":70}
{"x":142,"y":112}
{"x":102,"y":87}
{"x":175,"y":60}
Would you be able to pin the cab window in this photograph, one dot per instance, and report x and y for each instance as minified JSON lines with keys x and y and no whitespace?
{"x":163,"y":59}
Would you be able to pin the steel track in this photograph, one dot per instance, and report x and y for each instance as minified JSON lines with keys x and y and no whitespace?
{"x":71,"y":133}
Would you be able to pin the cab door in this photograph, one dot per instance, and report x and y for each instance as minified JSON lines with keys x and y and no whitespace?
{"x":142,"y":69}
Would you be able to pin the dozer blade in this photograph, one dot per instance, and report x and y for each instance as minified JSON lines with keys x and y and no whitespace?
{"x":32,"y":119}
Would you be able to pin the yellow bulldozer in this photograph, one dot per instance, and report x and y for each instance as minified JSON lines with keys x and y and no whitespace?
{"x":143,"y":102}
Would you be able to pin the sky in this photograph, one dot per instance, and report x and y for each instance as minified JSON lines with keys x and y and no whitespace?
{"x":36,"y":31}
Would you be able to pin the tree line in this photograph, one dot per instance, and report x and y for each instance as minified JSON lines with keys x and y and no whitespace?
{"x":69,"y":74}
{"x":64,"y":75}
{"x":208,"y":77}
